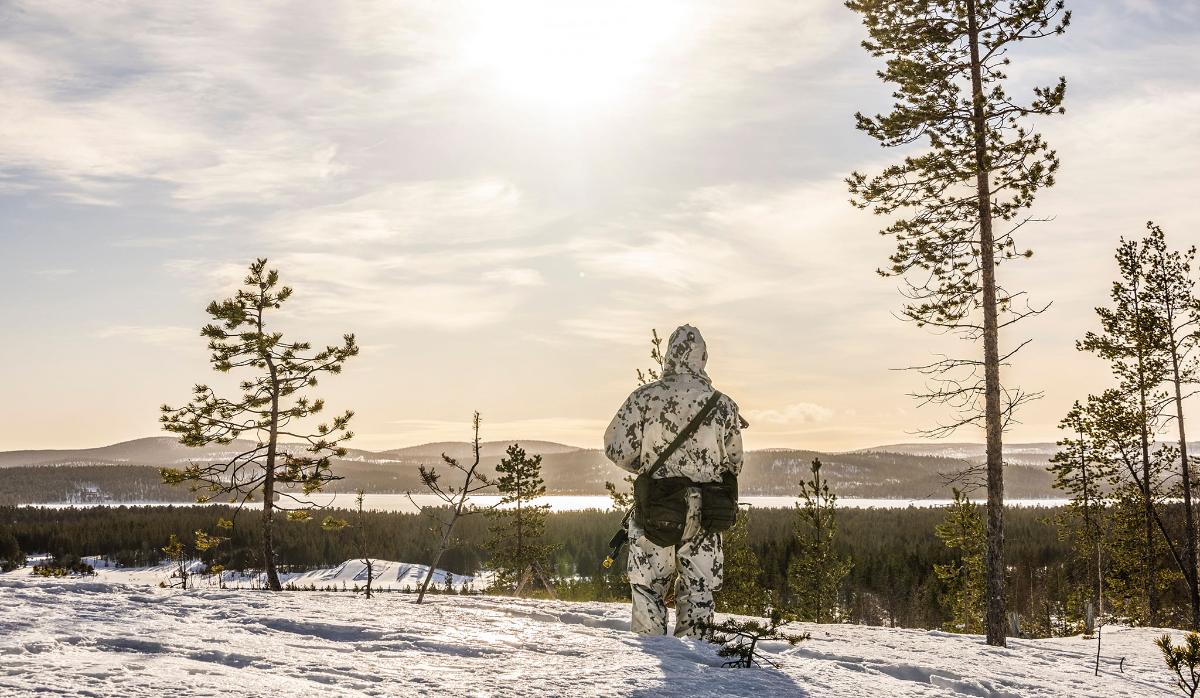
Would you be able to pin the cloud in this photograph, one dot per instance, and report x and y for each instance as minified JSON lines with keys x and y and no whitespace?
{"x":399,"y":291}
{"x":157,"y":335}
{"x":798,"y":246}
{"x":513,"y":276}
{"x":795,"y":414}
{"x":442,"y":210}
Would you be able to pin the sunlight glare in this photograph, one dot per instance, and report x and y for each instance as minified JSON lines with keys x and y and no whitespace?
{"x":566,"y":55}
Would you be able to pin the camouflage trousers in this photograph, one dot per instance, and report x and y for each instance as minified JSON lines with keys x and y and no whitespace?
{"x":696,"y":567}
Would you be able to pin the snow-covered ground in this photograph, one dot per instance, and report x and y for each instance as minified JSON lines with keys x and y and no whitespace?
{"x":387,"y":575}
{"x":102,"y":637}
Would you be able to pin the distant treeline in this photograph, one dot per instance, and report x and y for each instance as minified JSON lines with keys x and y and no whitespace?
{"x":85,"y":484}
{"x":893,"y":550}
{"x":766,"y":473}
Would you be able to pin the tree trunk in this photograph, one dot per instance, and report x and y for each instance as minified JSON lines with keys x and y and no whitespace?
{"x":429,"y":574}
{"x":1148,"y":503}
{"x":269,"y":487}
{"x":437,"y":558}
{"x":1189,"y":514}
{"x":995,"y":608}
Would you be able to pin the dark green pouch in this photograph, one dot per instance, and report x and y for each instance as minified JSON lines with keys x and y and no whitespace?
{"x":719,"y":504}
{"x":661,"y":508}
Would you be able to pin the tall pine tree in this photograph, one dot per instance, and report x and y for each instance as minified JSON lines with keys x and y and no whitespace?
{"x":1171,"y":296}
{"x":1131,"y":339}
{"x":272,"y":407}
{"x":983,"y":166}
{"x":1140,"y":473}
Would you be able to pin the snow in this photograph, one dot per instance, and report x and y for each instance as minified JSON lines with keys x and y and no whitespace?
{"x":387,"y":575}
{"x":106,"y":637}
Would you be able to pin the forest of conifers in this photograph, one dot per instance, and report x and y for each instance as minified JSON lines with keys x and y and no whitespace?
{"x":891,"y":582}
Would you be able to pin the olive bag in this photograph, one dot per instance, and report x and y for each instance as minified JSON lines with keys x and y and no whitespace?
{"x":719,"y":504}
{"x":660,"y":505}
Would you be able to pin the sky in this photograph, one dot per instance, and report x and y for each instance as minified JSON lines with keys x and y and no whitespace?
{"x":502,"y":199}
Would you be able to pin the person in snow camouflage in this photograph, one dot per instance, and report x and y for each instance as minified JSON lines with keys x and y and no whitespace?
{"x":651,"y":418}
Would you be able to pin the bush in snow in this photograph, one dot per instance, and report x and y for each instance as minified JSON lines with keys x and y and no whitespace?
{"x":63,"y":566}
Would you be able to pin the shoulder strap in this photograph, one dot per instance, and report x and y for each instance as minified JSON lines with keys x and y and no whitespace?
{"x":685,"y":433}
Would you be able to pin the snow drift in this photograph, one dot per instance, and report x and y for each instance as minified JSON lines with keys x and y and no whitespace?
{"x":104,"y":637}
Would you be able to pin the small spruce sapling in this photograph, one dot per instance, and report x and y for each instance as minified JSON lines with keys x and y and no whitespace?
{"x":206,"y":542}
{"x":742,"y":591}
{"x":359,"y":540}
{"x":817,"y":572}
{"x":1184,"y":660}
{"x":963,"y":530}
{"x":739,"y":639}
{"x":519,"y":556}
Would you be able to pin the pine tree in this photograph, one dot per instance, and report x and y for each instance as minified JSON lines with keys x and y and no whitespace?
{"x":270,"y":408}
{"x":816,"y":573}
{"x":742,"y":592}
{"x":1125,"y":573}
{"x":176,"y":554}
{"x":739,"y":638}
{"x":205,"y":542}
{"x":455,"y":501}
{"x":1131,"y":339}
{"x":964,"y":579}
{"x":1120,"y":430}
{"x":518,"y":554}
{"x":359,"y":536}
{"x":1171,"y":295}
{"x":983,"y":166}
{"x":1184,"y":660}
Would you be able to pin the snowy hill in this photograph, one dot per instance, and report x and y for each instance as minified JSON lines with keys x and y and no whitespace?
{"x":87,"y":637}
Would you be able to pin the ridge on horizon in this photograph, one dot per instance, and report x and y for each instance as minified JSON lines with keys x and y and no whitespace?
{"x":431,"y":446}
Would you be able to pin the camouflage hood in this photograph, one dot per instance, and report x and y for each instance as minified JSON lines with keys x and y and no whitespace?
{"x":655,"y":413}
{"x":686,"y":353}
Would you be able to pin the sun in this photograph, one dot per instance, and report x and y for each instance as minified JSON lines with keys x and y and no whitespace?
{"x":569,"y":55}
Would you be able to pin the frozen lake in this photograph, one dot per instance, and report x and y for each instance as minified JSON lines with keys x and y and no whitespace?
{"x":401,"y":503}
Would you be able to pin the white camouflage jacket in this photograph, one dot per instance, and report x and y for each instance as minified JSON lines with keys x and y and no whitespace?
{"x":654,"y":414}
